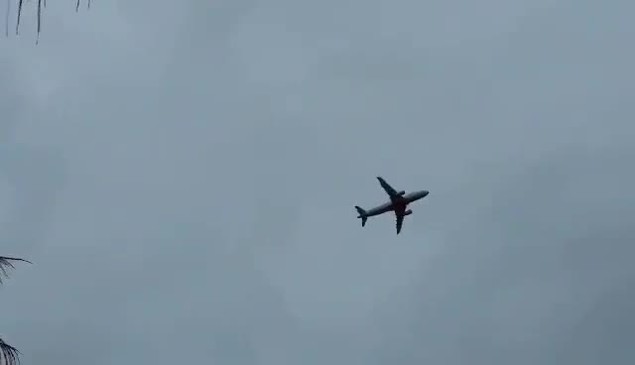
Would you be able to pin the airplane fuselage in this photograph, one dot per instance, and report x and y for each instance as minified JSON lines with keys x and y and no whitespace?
{"x":397,"y":204}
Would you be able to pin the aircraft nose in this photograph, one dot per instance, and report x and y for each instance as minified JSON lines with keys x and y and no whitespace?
{"x":425,"y":193}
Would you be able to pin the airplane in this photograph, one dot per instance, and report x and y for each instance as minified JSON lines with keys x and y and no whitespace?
{"x":398,"y":203}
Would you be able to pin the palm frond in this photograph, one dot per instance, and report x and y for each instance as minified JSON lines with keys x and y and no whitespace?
{"x":17,"y":24}
{"x":6,"y":264}
{"x":41,"y":4}
{"x":9,"y":355}
{"x":6,"y":18}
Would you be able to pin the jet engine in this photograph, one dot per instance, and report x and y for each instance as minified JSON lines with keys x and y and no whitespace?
{"x":407,"y":212}
{"x":401,"y":192}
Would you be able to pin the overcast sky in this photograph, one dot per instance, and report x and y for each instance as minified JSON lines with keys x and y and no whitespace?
{"x":183,"y":176}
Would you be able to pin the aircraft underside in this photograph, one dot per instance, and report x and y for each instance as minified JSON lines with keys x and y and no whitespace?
{"x":398,"y":204}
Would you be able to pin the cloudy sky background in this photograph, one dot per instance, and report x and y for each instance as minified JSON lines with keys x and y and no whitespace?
{"x":183,"y":175}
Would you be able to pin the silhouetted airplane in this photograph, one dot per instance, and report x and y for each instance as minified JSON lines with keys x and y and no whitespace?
{"x":398,"y":203}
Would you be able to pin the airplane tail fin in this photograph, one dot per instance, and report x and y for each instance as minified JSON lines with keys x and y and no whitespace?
{"x":362,"y":215}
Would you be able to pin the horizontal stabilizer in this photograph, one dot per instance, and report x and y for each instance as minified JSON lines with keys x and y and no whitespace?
{"x":362,"y":215}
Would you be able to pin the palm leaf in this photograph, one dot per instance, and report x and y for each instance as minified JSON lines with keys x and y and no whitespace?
{"x":6,"y":264}
{"x":40,"y":5}
{"x":9,"y":355}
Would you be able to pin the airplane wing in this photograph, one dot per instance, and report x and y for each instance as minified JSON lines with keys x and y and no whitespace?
{"x":389,"y":189}
{"x":399,"y":221}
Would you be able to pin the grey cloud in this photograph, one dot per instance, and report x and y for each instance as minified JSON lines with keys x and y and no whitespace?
{"x":184,"y":180}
